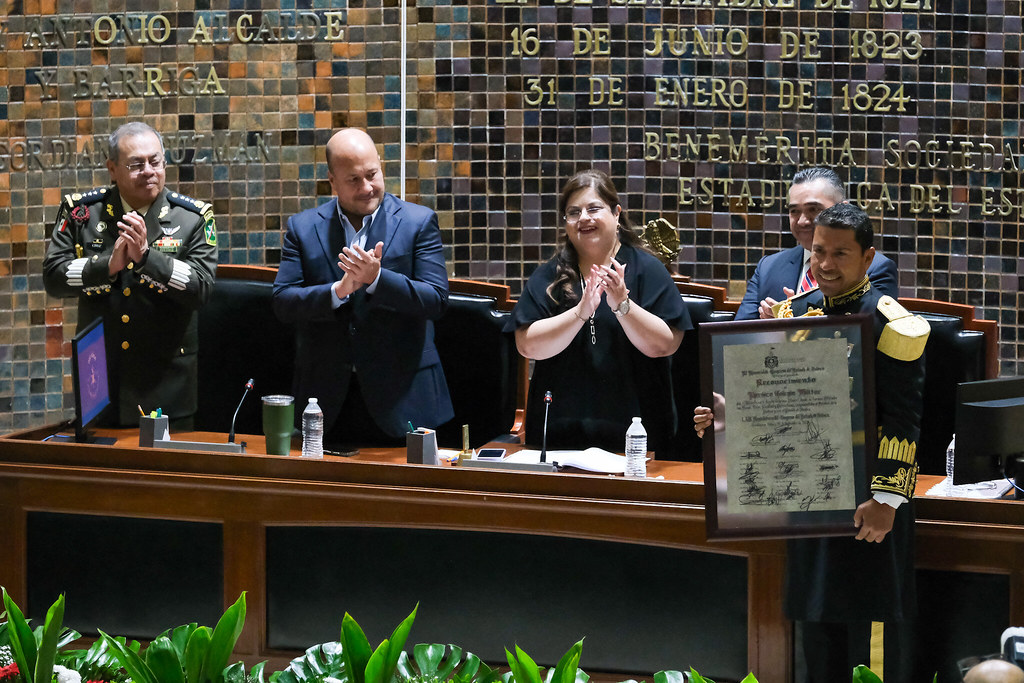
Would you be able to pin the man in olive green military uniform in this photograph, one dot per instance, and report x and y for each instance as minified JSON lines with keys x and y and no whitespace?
{"x":144,"y":259}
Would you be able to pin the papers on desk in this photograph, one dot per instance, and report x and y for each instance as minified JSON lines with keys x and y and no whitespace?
{"x":591,"y":460}
{"x":995,"y":488}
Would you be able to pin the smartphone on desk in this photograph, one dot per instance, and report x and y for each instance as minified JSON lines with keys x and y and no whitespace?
{"x":490,"y":454}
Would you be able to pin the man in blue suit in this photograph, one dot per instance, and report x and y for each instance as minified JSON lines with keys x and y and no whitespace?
{"x":363,"y":278}
{"x":781,"y":274}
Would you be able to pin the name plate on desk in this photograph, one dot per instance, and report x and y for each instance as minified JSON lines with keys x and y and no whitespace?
{"x":794,"y":408}
{"x":199,"y":446}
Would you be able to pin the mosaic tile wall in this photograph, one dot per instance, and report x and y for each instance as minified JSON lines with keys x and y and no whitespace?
{"x":700,"y":109}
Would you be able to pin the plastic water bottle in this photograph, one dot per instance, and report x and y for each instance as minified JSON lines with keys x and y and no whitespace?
{"x":636,"y":449}
{"x":950,"y":453}
{"x":312,"y":430}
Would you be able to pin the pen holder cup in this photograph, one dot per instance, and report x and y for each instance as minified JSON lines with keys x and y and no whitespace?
{"x":153,"y":429}
{"x":421,"y":447}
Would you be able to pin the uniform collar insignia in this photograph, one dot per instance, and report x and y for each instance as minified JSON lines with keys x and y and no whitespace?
{"x":852,"y":295}
{"x":163,"y":212}
{"x":101,"y":226}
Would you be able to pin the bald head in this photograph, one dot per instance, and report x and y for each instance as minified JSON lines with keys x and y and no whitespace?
{"x":353,"y":168}
{"x":994,"y":671}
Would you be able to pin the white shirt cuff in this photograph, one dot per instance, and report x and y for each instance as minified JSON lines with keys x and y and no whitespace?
{"x":893,"y":500}
{"x":372,"y":287}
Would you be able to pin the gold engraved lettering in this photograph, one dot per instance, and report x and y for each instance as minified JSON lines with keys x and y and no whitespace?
{"x":598,"y":88}
{"x":929,"y":199}
{"x":595,"y":41}
{"x":525,"y":42}
{"x":902,"y":5}
{"x":869,"y":44}
{"x":739,"y":195}
{"x":799,"y":95}
{"x":47,"y":83}
{"x":201,"y":29}
{"x":700,"y":92}
{"x":680,"y":41}
{"x":242,"y":26}
{"x":335,"y":25}
{"x":540,"y":92}
{"x":104,"y":30}
{"x":793,"y":41}
{"x":843,"y":5}
{"x":878,"y":98}
{"x":154,"y":75}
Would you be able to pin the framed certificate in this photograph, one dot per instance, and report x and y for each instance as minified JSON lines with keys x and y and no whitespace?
{"x":794,"y":423}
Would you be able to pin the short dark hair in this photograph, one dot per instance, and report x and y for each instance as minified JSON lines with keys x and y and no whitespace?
{"x":849,"y":217}
{"x":129,"y":130}
{"x":822,"y":173}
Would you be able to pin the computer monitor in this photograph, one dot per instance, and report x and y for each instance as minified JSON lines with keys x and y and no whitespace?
{"x":89,"y":379}
{"x":989,"y":429}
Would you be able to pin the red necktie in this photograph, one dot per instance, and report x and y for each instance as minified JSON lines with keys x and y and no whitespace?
{"x":807,"y":283}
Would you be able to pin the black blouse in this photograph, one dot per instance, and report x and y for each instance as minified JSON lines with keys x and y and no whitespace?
{"x":600,"y":382}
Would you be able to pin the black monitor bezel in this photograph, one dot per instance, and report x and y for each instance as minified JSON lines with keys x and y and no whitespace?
{"x":82,"y":430}
{"x":970,"y":466}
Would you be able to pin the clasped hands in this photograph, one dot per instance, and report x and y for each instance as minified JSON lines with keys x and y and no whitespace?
{"x":131,"y":244}
{"x":609,"y":280}
{"x":361,"y":268}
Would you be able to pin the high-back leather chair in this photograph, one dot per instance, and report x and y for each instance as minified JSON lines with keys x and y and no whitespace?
{"x":960,"y":349}
{"x":480,"y":361}
{"x":241,"y":338}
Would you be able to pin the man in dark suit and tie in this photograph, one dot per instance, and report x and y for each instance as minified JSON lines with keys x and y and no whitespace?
{"x":363,"y":278}
{"x":786,"y":272}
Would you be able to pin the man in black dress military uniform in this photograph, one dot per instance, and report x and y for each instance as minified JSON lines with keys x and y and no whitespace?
{"x":855,"y":597}
{"x":144,"y":259}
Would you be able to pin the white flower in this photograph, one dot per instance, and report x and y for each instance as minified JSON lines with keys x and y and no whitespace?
{"x":66,"y":675}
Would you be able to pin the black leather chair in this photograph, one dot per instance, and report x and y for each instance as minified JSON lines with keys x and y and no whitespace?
{"x":241,"y":338}
{"x":952,"y":355}
{"x":686,"y":364}
{"x":480,"y":362}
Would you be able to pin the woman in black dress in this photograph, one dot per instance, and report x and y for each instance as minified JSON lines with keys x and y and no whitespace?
{"x":600,"y":319}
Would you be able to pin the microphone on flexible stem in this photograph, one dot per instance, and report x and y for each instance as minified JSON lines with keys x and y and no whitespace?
{"x":231,"y":434}
{"x":544,"y":438}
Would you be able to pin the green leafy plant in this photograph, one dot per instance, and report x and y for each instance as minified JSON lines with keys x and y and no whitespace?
{"x":186,"y":654}
{"x":378,"y":666}
{"x":695,"y":677}
{"x":320,"y":663}
{"x":98,"y":663}
{"x":525,"y":670}
{"x":436,"y":663}
{"x":35,"y":652}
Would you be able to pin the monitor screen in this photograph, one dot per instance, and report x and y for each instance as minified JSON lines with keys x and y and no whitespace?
{"x":989,"y":429}
{"x":89,"y":376}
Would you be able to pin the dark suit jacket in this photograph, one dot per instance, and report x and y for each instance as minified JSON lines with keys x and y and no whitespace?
{"x":782,"y":269}
{"x":387,"y":337}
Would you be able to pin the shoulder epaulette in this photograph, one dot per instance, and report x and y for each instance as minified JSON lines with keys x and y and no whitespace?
{"x":905,"y":335}
{"x":189,"y":203}
{"x":75,"y":198}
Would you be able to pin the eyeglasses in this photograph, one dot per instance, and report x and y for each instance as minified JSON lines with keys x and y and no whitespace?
{"x":156,"y":163}
{"x":574,"y":214}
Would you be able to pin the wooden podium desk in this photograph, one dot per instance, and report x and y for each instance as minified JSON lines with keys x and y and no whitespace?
{"x":145,"y":539}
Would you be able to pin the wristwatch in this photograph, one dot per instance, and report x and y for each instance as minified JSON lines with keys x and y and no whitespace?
{"x":623,"y":308}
